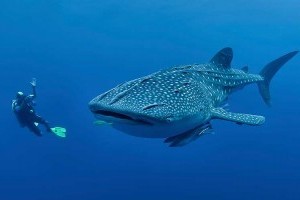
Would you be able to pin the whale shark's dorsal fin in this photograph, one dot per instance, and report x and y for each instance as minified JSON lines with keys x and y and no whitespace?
{"x":223,"y":58}
{"x":245,"y":69}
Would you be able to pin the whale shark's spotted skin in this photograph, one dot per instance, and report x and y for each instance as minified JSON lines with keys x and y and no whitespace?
{"x":178,"y":103}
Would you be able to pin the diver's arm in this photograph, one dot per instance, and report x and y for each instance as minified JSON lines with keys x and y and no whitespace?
{"x":34,"y":91}
{"x":33,"y":84}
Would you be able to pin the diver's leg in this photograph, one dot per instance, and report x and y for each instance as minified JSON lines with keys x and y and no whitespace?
{"x":40,"y":120}
{"x":33,"y":128}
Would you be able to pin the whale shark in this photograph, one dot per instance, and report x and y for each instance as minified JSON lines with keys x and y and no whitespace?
{"x":179,"y":103}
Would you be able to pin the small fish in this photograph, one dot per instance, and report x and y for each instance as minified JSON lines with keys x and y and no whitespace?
{"x":100,"y":123}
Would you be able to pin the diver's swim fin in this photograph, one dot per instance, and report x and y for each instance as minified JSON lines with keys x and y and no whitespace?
{"x":59,"y":131}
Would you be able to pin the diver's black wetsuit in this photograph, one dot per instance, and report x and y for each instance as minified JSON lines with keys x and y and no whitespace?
{"x":25,"y":113}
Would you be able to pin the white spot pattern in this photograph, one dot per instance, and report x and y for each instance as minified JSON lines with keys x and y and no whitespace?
{"x":176,"y":93}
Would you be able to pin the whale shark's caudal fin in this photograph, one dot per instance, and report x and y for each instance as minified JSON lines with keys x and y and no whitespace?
{"x":268,"y":72}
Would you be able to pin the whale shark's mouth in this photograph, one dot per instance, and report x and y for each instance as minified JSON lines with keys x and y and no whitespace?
{"x":120,"y":116}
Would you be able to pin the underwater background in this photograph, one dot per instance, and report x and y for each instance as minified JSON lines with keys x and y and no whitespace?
{"x":79,"y":49}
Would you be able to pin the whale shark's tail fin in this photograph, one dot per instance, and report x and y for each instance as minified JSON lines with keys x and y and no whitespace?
{"x":268,"y":72}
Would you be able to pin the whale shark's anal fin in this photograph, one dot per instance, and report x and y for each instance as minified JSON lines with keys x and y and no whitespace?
{"x":239,"y":118}
{"x":189,"y":136}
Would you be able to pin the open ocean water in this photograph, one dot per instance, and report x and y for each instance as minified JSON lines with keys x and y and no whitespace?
{"x":78,"y":49}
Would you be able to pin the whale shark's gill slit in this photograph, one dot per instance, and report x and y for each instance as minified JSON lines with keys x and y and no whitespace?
{"x":102,"y":96}
{"x":119,"y":96}
{"x":147,"y":79}
{"x":120,"y":116}
{"x":153,"y":106}
{"x":123,"y":94}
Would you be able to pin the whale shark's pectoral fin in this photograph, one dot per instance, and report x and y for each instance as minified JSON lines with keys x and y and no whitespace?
{"x":239,"y":118}
{"x":189,"y":136}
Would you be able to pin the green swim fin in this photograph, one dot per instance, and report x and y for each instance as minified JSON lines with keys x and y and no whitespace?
{"x":59,"y":131}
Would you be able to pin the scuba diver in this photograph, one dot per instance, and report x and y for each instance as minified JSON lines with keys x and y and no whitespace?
{"x":23,"y":107}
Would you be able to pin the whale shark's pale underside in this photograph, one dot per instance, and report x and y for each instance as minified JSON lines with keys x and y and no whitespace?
{"x":178,"y":103}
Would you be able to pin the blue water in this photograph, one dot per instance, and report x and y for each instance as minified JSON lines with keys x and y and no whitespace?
{"x":78,"y":49}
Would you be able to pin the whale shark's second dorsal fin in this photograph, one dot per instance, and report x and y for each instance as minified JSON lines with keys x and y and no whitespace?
{"x":223,"y":58}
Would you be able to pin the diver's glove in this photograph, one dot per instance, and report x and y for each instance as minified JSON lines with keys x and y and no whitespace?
{"x":33,"y":82}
